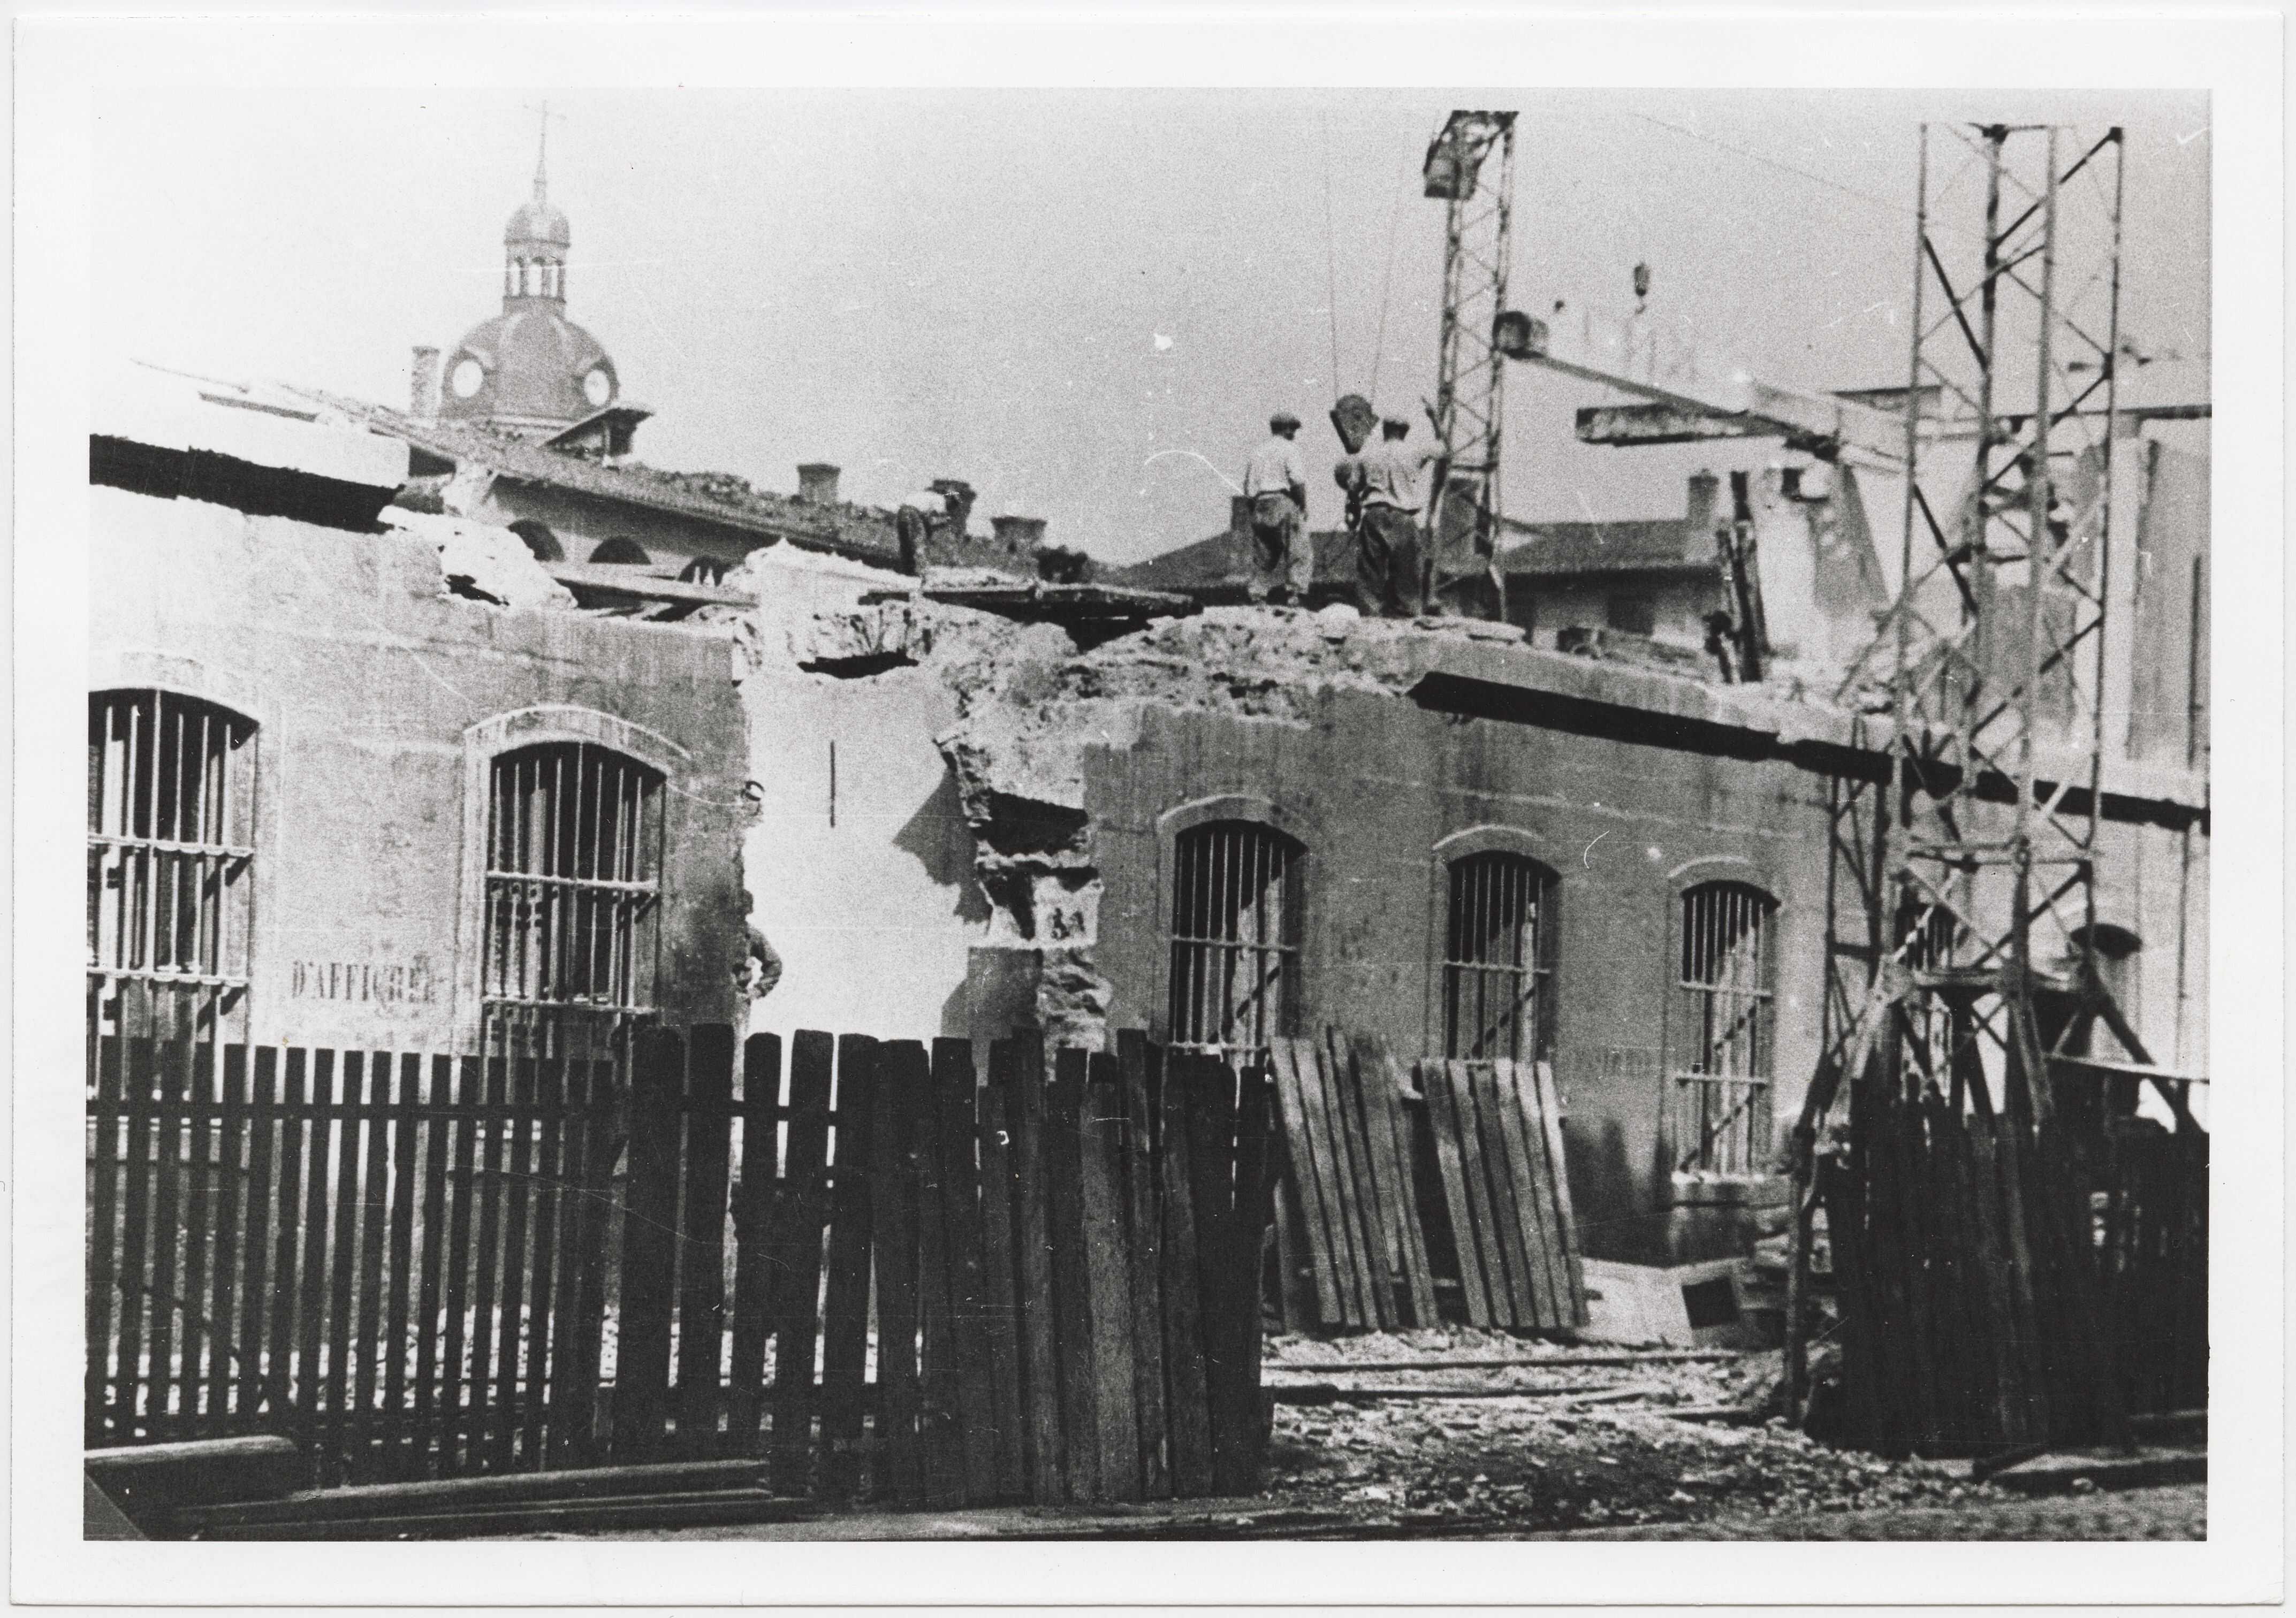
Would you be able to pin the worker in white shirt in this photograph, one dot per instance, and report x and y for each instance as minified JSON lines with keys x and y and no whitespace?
{"x":1382,"y":487}
{"x":1276,"y":482}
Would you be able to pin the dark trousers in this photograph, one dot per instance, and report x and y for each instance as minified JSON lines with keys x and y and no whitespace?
{"x":910,"y":526}
{"x":1387,"y":562}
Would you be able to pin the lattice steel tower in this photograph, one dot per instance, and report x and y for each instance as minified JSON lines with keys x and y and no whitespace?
{"x":1962,"y":936}
{"x":1470,"y":371}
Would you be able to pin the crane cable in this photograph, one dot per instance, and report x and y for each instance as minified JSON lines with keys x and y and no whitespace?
{"x":1331,"y":259}
{"x":1387,"y":275}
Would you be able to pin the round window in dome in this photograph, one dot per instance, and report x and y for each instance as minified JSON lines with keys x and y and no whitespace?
{"x":469,"y":377}
{"x":598,"y":386}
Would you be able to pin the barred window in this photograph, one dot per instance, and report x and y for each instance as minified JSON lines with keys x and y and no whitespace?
{"x":170,"y":865}
{"x":1498,"y":962}
{"x":573,"y":886}
{"x":1236,"y":905}
{"x":1720,"y":1111}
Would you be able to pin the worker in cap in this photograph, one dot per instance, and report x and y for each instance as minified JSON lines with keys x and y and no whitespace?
{"x":919,"y":515}
{"x":1382,"y":486}
{"x":1276,"y":482}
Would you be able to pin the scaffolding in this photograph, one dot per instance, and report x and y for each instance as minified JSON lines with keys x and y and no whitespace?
{"x":1961,"y":947}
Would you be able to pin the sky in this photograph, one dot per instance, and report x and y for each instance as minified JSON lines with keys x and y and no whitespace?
{"x":1086,"y":303}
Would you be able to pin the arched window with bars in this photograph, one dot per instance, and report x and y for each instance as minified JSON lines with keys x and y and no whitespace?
{"x":1498,"y":958}
{"x":1236,"y":914}
{"x":170,"y":866}
{"x":1719,"y":1082}
{"x":573,"y":895}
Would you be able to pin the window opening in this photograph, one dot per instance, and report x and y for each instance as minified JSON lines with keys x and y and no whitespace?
{"x":621,"y":551}
{"x":1236,"y":901}
{"x":170,"y":866}
{"x":1498,"y":960}
{"x":1720,"y":1100}
{"x":539,"y":540}
{"x":573,"y":898}
{"x":1632,"y":613}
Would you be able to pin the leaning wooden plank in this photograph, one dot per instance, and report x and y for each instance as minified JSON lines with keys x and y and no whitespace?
{"x":904,"y":1092}
{"x":998,"y":1259}
{"x":1383,"y":1081}
{"x":939,"y":1418}
{"x":272,"y":1503}
{"x":1040,"y":1365}
{"x":649,"y":1248}
{"x":1188,"y":1404}
{"x":957,"y":1084}
{"x":1359,"y":1203}
{"x":753,"y":1230}
{"x":1144,"y":1240}
{"x":1308,"y":1182}
{"x":845,"y":1327}
{"x":1550,"y":1118}
{"x":1528,"y":1195}
{"x":1337,"y":1188}
{"x":1499,"y":1185}
{"x":1443,"y":1123}
{"x":1375,"y":1198}
{"x":1542,"y":1207}
{"x":1071,"y":1278}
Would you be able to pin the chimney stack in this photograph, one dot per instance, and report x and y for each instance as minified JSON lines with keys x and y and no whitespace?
{"x":1705,"y":496}
{"x":1019,"y":534}
{"x":422,"y":395}
{"x":816,"y":483}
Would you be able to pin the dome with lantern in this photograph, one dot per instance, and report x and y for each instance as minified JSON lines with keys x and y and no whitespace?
{"x":530,"y":369}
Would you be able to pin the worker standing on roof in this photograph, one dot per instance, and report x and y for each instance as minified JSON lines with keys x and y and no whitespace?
{"x":919,"y":515}
{"x":1382,"y":486}
{"x":1276,"y":482}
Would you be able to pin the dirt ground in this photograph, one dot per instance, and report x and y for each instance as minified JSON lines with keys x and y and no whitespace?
{"x":1551,"y":1449}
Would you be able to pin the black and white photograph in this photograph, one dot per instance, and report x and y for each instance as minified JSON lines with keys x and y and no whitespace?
{"x":1127,"y":813}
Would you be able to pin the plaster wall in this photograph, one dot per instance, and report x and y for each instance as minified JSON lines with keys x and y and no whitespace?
{"x":366,"y":682}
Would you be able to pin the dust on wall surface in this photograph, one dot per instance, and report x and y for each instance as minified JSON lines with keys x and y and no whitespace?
{"x":366,"y":681}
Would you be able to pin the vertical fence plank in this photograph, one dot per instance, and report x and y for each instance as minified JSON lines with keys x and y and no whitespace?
{"x":543,"y":1339}
{"x":575,"y":1417}
{"x":1188,"y":1404}
{"x":1460,"y":1098}
{"x":1143,"y":1248}
{"x":997,"y":1260}
{"x":1382,"y":1090}
{"x":1071,"y":1287}
{"x":487,"y":1323}
{"x":1368,"y":1205}
{"x":281,"y":1375}
{"x":1040,"y":1363}
{"x":1518,"y":1246}
{"x":437,"y":1243}
{"x":311,"y":1304}
{"x":134,"y":1284}
{"x":1211,"y":1092}
{"x":1108,"y":1275}
{"x":516,"y":1127}
{"x":1311,"y":1170}
{"x":649,"y":1248}
{"x":336,"y":1333}
{"x":197,"y":1338}
{"x":1359,"y":1080}
{"x":709,"y":1107}
{"x":939,"y":1432}
{"x":1515,"y":1111}
{"x":398,"y":1329}
{"x":754,"y":1231}
{"x":174,"y":1081}
{"x":903,"y":1086}
{"x":797,"y":1309}
{"x":1246,"y":1420}
{"x":104,"y":1313}
{"x":1558,"y":1174}
{"x":374,"y":1210}
{"x":262,"y":1190}
{"x":222,"y":1335}
{"x":956,"y":1091}
{"x":844,"y":1322}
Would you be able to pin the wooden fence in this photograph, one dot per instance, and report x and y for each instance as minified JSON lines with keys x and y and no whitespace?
{"x":874,"y":1272}
{"x":2004,"y":1283}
